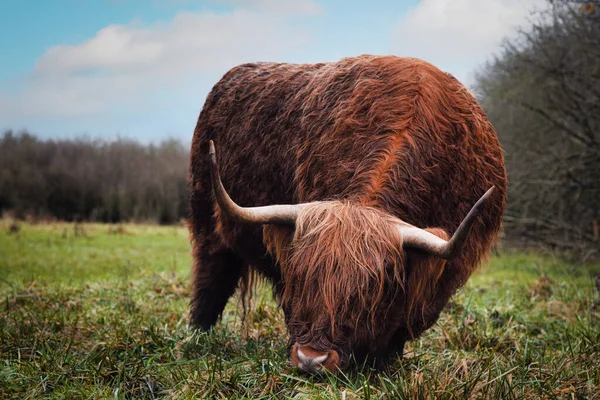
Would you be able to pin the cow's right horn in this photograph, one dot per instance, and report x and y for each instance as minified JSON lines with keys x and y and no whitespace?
{"x":423,"y":240}
{"x":284,"y":214}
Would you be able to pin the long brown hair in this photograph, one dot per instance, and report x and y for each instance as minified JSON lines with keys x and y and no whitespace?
{"x":348,"y":260}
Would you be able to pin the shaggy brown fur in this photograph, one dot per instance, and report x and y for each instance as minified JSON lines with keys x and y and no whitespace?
{"x":348,"y":261}
{"x":388,"y":139}
{"x":343,"y":259}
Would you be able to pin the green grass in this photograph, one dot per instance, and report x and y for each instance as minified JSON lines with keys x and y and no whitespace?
{"x":105,"y":316}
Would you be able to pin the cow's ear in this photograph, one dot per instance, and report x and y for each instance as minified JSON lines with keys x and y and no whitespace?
{"x":424,"y":273}
{"x":278,"y":240}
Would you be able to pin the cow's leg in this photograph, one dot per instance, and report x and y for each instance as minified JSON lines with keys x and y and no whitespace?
{"x":216,"y":273}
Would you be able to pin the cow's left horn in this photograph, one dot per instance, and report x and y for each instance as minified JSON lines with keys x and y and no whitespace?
{"x":284,"y":214}
{"x":421,"y":239}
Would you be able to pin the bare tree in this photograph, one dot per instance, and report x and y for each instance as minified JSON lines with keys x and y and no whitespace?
{"x":543,"y":96}
{"x":86,"y":179}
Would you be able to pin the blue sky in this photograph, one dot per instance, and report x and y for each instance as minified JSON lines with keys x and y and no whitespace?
{"x":142,"y":69}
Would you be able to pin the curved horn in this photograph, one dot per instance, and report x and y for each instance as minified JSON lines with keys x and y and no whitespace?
{"x":421,"y":239}
{"x":276,"y":214}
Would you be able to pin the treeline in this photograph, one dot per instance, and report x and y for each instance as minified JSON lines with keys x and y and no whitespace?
{"x":543,"y":96}
{"x":92,"y":180}
{"x":542,"y":93}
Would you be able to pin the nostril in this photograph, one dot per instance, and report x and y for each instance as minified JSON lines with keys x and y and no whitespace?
{"x":308,"y":359}
{"x":306,"y":356}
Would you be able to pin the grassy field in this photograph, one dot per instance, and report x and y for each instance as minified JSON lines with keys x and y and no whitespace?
{"x":104,"y":315}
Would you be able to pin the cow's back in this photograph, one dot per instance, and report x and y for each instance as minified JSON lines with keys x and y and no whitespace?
{"x":389,"y":132}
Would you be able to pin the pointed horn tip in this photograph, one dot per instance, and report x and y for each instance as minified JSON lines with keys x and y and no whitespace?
{"x":211,"y":148}
{"x":457,"y":244}
{"x":485,"y":197}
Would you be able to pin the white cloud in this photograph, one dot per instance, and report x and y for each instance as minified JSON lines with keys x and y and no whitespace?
{"x":124,"y":64}
{"x":457,"y":35}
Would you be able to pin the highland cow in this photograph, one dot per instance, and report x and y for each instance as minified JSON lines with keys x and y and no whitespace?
{"x":367,"y":191}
